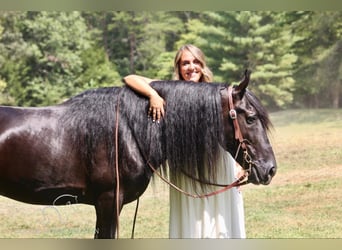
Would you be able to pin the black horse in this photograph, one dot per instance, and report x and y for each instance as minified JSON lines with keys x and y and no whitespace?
{"x":78,"y":146}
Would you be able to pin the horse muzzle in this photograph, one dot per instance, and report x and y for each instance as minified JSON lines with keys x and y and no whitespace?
{"x":262,"y":173}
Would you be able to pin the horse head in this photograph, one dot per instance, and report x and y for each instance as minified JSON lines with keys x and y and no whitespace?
{"x":246,"y":123}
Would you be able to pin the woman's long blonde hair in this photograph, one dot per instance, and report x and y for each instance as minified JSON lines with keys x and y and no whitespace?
{"x":207,"y":75}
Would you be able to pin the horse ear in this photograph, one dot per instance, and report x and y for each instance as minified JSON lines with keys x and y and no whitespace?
{"x":240,"y":89}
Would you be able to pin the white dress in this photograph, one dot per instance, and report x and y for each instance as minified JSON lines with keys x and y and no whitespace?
{"x":218,"y":216}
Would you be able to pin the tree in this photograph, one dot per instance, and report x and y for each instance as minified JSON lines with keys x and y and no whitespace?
{"x":329,"y":72}
{"x":3,"y":84}
{"x":49,"y":56}
{"x":141,"y":42}
{"x":97,"y":70}
{"x":234,"y":41}
{"x":59,"y":38}
{"x":42,"y":55}
{"x":318,"y":68}
{"x":13,"y":53}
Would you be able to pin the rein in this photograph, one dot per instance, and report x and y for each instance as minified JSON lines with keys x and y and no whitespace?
{"x":236,"y":183}
{"x":117,"y":195}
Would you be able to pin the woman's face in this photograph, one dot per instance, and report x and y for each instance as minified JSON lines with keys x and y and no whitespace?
{"x":189,"y":67}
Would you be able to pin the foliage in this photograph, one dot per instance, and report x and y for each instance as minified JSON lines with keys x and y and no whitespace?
{"x":97,"y":70}
{"x":46,"y":57}
{"x":247,"y":39}
{"x":318,"y":36}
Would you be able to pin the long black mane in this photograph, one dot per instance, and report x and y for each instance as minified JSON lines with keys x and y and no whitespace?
{"x":193,"y":127}
{"x":89,"y":119}
{"x":187,"y":136}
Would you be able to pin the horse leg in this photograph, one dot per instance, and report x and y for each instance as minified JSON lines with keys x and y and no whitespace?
{"x":106,"y":217}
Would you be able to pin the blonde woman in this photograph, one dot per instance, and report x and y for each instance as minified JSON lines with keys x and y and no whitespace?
{"x":220,"y":216}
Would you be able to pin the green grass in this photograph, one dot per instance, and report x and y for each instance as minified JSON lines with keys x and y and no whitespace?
{"x":304,"y":199}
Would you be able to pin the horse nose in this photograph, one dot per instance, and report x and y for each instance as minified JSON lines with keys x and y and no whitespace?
{"x":272,"y":171}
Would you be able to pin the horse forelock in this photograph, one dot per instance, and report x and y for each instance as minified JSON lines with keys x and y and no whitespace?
{"x":260,"y":109}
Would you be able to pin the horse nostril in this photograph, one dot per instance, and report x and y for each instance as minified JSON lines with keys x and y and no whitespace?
{"x":272,"y":171}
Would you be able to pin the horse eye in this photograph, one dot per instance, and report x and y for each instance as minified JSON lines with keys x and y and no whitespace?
{"x":250,"y":119}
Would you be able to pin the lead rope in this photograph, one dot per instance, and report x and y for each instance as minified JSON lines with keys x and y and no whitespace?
{"x":117,"y":168}
{"x":135,"y":218}
{"x":118,"y":177}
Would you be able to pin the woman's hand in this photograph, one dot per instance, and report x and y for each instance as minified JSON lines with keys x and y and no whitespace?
{"x":239,"y":173}
{"x":141,"y":85}
{"x":157,"y":103}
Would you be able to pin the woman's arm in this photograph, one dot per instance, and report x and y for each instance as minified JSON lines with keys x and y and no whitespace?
{"x":141,"y":85}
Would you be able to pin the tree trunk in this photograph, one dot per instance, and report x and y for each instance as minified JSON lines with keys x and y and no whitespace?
{"x":105,"y":36}
{"x":131,"y":53}
{"x":336,"y":95}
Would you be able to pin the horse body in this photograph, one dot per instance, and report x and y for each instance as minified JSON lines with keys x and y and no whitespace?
{"x":70,"y":148}
{"x":49,"y":155}
{"x":37,"y":164}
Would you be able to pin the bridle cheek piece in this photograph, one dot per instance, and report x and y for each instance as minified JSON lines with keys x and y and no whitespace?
{"x":238,"y":136}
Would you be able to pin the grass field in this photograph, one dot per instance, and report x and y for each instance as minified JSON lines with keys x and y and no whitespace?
{"x":304,"y":199}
